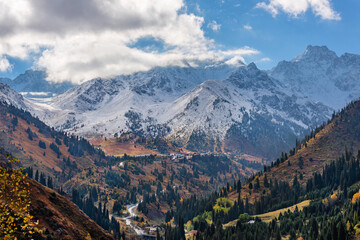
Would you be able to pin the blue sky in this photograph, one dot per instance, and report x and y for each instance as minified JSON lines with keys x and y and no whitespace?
{"x":282,"y":37}
{"x":96,"y":39}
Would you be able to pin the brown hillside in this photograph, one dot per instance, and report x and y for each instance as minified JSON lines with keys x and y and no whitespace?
{"x":18,"y":143}
{"x":57,"y":216}
{"x":133,"y":145}
{"x":62,"y":218}
{"x":15,"y":140}
{"x":113,"y":147}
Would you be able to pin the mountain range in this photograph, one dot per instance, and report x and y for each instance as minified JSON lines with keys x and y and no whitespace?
{"x":213,"y":106}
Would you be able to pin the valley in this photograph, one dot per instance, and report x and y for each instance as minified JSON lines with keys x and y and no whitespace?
{"x":72,"y":164}
{"x":179,"y":120}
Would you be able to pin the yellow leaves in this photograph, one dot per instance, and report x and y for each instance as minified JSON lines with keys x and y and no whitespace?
{"x":181,"y":200}
{"x":325,"y":202}
{"x":222,"y":204}
{"x":348,"y":225}
{"x":88,"y":237}
{"x":216,"y":207}
{"x":15,"y":219}
{"x":355,"y":197}
{"x":329,"y":201}
{"x":188,"y":223}
{"x":333,"y":198}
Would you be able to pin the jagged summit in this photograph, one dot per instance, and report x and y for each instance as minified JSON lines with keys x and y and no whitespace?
{"x":250,"y":76}
{"x":316,"y":53}
{"x":320,"y":74}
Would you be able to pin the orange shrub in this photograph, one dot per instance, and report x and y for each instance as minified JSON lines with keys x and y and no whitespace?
{"x":355,"y":197}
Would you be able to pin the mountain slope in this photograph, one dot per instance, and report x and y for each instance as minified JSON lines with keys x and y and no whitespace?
{"x":320,"y":74}
{"x":248,"y":112}
{"x":42,"y":148}
{"x":57,"y":216}
{"x":61,"y":217}
{"x":106,"y":106}
{"x":9,"y":96}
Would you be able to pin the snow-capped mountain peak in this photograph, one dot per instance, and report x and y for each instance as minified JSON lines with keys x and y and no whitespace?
{"x":316,"y":53}
{"x":320,"y":74}
{"x":250,"y":77}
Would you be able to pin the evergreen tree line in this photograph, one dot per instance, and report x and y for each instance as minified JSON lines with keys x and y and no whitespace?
{"x":332,"y":214}
{"x":99,"y":214}
{"x":168,"y":195}
{"x":40,"y":177}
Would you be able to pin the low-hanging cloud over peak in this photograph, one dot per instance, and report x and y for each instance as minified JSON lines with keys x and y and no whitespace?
{"x":82,"y":39}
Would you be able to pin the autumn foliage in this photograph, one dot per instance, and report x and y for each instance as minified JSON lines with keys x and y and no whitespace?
{"x":15,"y":219}
{"x":355,"y":197}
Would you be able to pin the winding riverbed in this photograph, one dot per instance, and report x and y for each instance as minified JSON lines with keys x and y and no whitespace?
{"x":131,"y":208}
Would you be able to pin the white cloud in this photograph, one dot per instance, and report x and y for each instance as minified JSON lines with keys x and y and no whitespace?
{"x":248,"y":27}
{"x":245,"y":51}
{"x":214,"y":26}
{"x":83,"y":39}
{"x":197,"y":8}
{"x":294,"y":8}
{"x":5,"y":65}
{"x":265,"y":59}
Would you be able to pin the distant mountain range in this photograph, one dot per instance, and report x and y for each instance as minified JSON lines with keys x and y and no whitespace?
{"x":212,"y":107}
{"x":323,"y":76}
{"x":33,"y":84}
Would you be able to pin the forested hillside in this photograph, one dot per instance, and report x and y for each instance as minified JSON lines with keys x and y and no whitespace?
{"x":325,"y":144}
{"x":323,"y":168}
